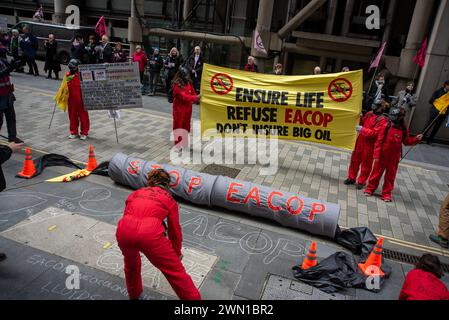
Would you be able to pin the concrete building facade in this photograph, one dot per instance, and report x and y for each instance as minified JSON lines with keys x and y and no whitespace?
{"x":301,"y":34}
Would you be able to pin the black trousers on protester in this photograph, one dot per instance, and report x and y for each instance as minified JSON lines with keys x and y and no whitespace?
{"x":10,"y":116}
{"x":55,"y":72}
{"x":437,"y":124}
{"x":168,"y":89}
{"x":31,"y":62}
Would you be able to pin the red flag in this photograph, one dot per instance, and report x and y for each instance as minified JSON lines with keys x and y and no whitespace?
{"x":100,"y":28}
{"x":420,"y":58}
{"x":375,"y":63}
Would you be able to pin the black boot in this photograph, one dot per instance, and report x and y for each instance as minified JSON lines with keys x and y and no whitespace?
{"x":49,"y":75}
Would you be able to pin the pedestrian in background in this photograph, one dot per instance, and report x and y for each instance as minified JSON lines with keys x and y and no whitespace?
{"x":277,"y":69}
{"x":91,"y":49}
{"x":51,"y":57}
{"x":7,"y":98}
{"x":441,"y":238}
{"x":29,"y":46}
{"x":407,"y":99}
{"x":345,"y":69}
{"x":156,"y":62}
{"x":184,"y":95}
{"x":423,"y":282}
{"x":142,"y":230}
{"x":104,"y":50}
{"x":171,"y":64}
{"x":377,"y":91}
{"x":317,"y":71}
{"x":251,"y":65}
{"x":119,"y":55}
{"x":435,"y":118}
{"x":140,"y":57}
{"x":195,"y":63}
{"x":16,"y":51}
{"x":78,"y":50}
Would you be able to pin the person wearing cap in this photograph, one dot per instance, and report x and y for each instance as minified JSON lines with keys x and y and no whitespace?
{"x":184,"y":95}
{"x":78,"y":116}
{"x":388,"y":151}
{"x":156,"y":62}
{"x":7,"y":98}
{"x":362,"y":156}
{"x":142,"y":230}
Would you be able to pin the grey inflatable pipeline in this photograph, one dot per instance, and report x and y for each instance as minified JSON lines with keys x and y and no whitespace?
{"x":288,"y":209}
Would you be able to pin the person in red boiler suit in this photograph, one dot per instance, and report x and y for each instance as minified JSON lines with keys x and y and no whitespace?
{"x":142,"y":229}
{"x":423,"y":283}
{"x":77,"y":113}
{"x":184,"y":96}
{"x":362,"y":157}
{"x":388,"y":151}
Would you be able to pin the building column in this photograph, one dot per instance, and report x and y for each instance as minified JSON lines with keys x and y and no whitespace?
{"x":332,"y":11}
{"x":389,"y":20}
{"x":347,"y":20}
{"x":264,"y":16}
{"x":186,"y":9}
{"x":417,"y":32}
{"x":134,"y":24}
{"x":435,"y":71}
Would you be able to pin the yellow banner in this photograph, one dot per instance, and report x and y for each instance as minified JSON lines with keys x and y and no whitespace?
{"x":323,"y":109}
{"x":442,"y":103}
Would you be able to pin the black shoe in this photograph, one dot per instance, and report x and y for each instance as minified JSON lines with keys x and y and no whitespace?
{"x":349,"y":182}
{"x":36,"y":74}
{"x":16,"y":140}
{"x":31,"y":73}
{"x":359,"y":186}
{"x":2,"y":256}
{"x":440,"y":241}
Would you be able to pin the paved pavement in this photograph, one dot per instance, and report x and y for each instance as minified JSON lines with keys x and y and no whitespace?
{"x":306,"y":169}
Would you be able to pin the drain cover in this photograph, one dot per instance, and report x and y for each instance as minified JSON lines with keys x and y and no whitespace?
{"x":407,"y":258}
{"x":218,"y":170}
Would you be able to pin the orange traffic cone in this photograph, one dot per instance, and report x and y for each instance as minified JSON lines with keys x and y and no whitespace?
{"x":92,"y":161}
{"x":29,"y":170}
{"x":310,"y":260}
{"x":373,"y":265}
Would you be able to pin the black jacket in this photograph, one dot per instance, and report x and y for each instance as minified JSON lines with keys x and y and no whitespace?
{"x":78,"y":51}
{"x":5,"y":154}
{"x":156,"y":63}
{"x":198,"y":67}
{"x":371,"y":95}
{"x":105,"y":53}
{"x":172,"y":69}
{"x":51,"y":56}
{"x":91,"y":52}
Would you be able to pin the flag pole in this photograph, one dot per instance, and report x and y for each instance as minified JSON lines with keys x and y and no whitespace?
{"x":372,"y":80}
{"x":53,"y":114}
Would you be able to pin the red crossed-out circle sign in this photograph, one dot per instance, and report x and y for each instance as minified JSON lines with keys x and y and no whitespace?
{"x":340,"y":90}
{"x":221,"y":83}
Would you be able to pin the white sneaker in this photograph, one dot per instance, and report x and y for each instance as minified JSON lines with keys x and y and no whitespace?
{"x":83,"y":137}
{"x":72,"y":136}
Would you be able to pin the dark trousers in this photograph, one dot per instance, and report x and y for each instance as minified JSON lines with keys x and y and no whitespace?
{"x":154,"y":79}
{"x":168,"y":89}
{"x":31,"y":62}
{"x":436,"y":125}
{"x":10,"y":116}
{"x":197,"y":83}
{"x":55,"y":72}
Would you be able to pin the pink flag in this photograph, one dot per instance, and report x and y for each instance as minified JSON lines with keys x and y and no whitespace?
{"x":420,"y":58}
{"x":100,"y":28}
{"x":375,"y":63}
{"x":258,"y":44}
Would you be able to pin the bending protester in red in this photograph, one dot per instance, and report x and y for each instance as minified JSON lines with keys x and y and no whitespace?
{"x":142,"y":229}
{"x":423,"y":283}
{"x":77,"y":114}
{"x":362,"y":157}
{"x":184,"y":96}
{"x":388,"y":151}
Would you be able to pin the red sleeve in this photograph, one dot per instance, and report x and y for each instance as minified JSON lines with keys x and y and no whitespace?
{"x":410,"y":141}
{"x":380,"y":140}
{"x":373,"y":133}
{"x":363,"y":119}
{"x":174,"y":228}
{"x":186,"y":93}
{"x":403,"y":295}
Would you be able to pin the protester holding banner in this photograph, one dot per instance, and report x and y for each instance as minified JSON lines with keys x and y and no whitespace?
{"x":362,"y":157}
{"x":407,"y":99}
{"x":436,"y":119}
{"x":184,"y":96}
{"x":388,"y":151}
{"x":51,"y":57}
{"x":251,"y":65}
{"x":142,"y":230}
{"x":78,"y":116}
{"x":171,"y":64}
